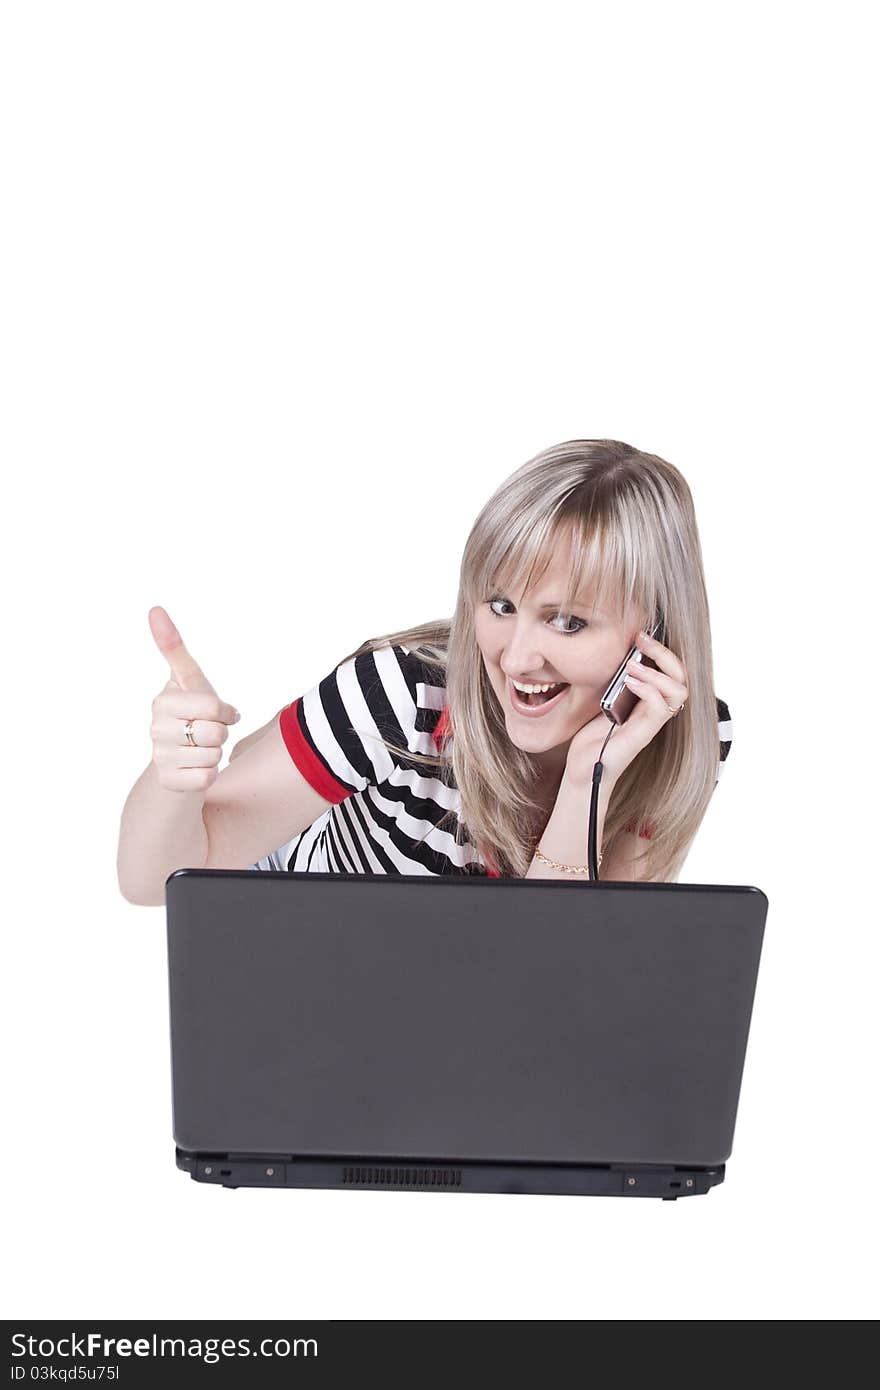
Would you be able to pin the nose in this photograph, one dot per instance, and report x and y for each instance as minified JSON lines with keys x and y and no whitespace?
{"x":521,"y":656}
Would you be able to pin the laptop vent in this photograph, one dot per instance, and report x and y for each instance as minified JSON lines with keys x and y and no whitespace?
{"x":402,"y":1177}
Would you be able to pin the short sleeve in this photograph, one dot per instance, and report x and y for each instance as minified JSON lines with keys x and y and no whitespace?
{"x":725,"y":735}
{"x":334,"y":731}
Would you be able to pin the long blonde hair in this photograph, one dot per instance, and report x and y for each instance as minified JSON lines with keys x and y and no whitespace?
{"x":631,"y":521}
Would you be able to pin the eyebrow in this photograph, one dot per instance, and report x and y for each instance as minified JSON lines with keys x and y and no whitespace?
{"x":575,"y":603}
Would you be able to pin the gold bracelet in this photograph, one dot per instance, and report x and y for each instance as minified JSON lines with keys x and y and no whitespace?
{"x":569,"y":868}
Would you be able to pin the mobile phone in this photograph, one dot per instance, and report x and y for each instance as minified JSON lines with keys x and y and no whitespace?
{"x":619,"y":701}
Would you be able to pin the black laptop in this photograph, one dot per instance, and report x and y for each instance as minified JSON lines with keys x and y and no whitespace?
{"x":458,"y":1034}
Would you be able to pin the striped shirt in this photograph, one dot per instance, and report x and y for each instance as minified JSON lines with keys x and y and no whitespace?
{"x":385,"y":809}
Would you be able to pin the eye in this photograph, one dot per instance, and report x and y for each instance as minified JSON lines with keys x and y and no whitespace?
{"x":496,"y":600}
{"x":563,"y":632}
{"x":571,"y":631}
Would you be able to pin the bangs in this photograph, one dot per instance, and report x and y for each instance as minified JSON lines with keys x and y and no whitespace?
{"x":601,"y":572}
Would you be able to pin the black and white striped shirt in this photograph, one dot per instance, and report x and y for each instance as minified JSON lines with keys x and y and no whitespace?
{"x":385,"y":811}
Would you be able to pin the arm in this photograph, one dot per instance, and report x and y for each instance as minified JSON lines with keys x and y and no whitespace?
{"x":160,"y":831}
{"x":254,"y":805}
{"x":244,"y":743}
{"x":565,"y":835}
{"x":259,"y":802}
{"x":661,"y":692}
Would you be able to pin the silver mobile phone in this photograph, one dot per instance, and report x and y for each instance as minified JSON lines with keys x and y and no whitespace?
{"x":619,"y":701}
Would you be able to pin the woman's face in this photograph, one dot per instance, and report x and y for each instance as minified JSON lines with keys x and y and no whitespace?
{"x":525,"y":637}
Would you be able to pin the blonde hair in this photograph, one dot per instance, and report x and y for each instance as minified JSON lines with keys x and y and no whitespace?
{"x":631,"y":522}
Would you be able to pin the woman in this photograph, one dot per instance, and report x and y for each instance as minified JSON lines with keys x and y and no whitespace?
{"x":417,"y":754}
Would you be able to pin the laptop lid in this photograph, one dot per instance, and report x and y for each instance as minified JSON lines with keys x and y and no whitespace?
{"x":457,"y":1018}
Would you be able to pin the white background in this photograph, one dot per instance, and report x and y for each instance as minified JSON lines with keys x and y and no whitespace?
{"x":288,"y":291}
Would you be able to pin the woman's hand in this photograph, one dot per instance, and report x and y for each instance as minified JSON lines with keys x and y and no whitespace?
{"x":187,"y":695}
{"x":656,"y":691}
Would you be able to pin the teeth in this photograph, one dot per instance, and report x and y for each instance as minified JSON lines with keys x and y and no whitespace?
{"x":533,"y":689}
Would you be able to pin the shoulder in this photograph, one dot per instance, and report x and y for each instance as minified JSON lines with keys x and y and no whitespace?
{"x":725,"y":735}
{"x":425,"y":678}
{"x":399,"y":688}
{"x":426,"y":682}
{"x":417,"y":664}
{"x":394,"y":673}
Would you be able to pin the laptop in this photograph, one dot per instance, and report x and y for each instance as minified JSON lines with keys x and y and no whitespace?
{"x":458,"y":1034}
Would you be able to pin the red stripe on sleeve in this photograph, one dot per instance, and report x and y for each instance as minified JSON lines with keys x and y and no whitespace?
{"x":305,"y":758}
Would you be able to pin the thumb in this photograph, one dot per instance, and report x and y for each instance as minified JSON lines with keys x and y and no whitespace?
{"x":185,"y":670}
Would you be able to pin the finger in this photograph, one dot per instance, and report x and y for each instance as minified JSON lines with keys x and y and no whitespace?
{"x":665,"y":695}
{"x":665,"y":659}
{"x":673,"y":691}
{"x":195,"y":704}
{"x":184,"y":668}
{"x":206,"y":733}
{"x":197,"y":757}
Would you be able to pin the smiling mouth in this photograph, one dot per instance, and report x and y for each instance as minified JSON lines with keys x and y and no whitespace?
{"x":531,"y":704}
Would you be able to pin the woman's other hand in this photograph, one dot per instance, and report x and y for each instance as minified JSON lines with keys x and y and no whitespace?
{"x":656,"y":691}
{"x":187,"y":695}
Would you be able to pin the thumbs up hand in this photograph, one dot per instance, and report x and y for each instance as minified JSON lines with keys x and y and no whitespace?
{"x":187,"y":701}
